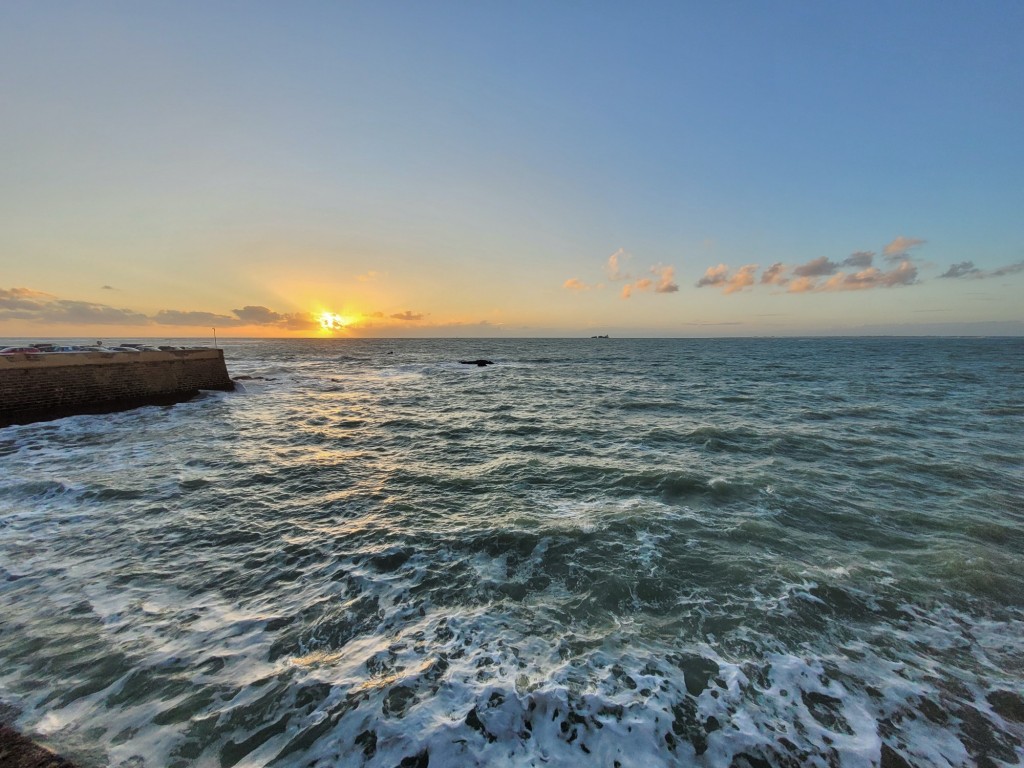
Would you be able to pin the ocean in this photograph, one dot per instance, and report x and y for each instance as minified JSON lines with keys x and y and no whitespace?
{"x":600,"y":552}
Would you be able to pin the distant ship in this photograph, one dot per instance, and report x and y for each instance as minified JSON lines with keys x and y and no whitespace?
{"x":600,"y":337}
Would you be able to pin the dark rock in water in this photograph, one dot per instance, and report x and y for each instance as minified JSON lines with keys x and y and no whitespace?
{"x":480,"y":363}
{"x":422,"y":760}
{"x":18,"y":752}
{"x":1008,"y":705}
{"x":892,"y":759}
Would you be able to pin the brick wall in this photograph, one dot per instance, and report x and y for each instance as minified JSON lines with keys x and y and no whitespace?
{"x":36,"y":387}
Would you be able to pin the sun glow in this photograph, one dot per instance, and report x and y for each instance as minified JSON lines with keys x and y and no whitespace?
{"x":329,"y":321}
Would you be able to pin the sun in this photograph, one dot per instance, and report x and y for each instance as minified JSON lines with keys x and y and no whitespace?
{"x":329,"y":321}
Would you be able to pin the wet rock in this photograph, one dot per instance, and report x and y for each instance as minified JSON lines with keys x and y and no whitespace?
{"x":368,"y":741}
{"x":1008,"y":705}
{"x":422,"y":760}
{"x":697,"y":672}
{"x":473,"y":721}
{"x":398,"y":700}
{"x":16,"y":751}
{"x":827,"y":710}
{"x":481,"y":363}
{"x":984,"y":742}
{"x":892,"y":759}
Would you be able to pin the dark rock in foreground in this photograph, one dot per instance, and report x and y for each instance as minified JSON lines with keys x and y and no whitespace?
{"x":480,"y":363}
{"x":18,"y":752}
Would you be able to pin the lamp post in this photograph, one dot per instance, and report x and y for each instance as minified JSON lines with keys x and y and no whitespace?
{"x":214,"y":338}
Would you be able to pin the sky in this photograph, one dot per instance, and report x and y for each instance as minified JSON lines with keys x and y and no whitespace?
{"x":511,"y":168}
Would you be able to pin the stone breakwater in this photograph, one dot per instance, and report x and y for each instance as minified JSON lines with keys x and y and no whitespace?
{"x":37,"y":387}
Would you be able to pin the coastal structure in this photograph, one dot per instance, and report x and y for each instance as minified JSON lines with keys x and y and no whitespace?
{"x":37,"y":387}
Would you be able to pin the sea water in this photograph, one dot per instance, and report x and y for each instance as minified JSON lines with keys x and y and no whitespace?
{"x":594,"y":552}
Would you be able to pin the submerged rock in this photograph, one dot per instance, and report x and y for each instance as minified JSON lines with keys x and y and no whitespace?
{"x":480,"y":363}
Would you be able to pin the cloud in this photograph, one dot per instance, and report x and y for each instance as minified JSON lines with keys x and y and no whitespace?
{"x":40,"y":307}
{"x":247,"y":315}
{"x":25,"y":293}
{"x":967,"y":269}
{"x":665,"y":282}
{"x":89,"y":313}
{"x":177,"y":317}
{"x":818,"y":267}
{"x":743,"y":278}
{"x":724,"y":322}
{"x":807,"y":277}
{"x":666,"y":279}
{"x":297,"y":321}
{"x":1010,"y":269}
{"x":21,"y":300}
{"x":803,"y":285}
{"x":719,"y":276}
{"x":643,"y":284}
{"x":872,"y":277}
{"x":406,"y":316}
{"x":774,"y":275}
{"x":251,"y":315}
{"x":898,"y":248}
{"x":368,"y":277}
{"x":860,"y":259}
{"x":575,"y":284}
{"x":714,"y":276}
{"x":615,"y":264}
{"x":963,"y":269}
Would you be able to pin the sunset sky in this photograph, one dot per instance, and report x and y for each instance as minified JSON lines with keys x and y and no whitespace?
{"x":511,"y":168}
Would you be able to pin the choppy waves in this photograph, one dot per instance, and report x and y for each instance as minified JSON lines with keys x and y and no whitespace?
{"x":613,"y":553}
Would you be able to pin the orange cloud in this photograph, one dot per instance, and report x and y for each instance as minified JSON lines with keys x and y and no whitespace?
{"x":714,"y":276}
{"x":575,"y":284}
{"x":802,"y":285}
{"x":872,"y":277}
{"x":898,"y":248}
{"x":643,"y":284}
{"x":666,"y":279}
{"x":719,"y":277}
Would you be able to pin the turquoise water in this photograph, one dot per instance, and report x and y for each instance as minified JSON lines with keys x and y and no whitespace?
{"x":601,"y":552}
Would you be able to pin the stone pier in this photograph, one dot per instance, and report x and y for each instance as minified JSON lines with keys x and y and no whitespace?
{"x":38,"y":387}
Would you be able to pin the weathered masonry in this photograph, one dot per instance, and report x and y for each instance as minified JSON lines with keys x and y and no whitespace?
{"x":47,"y":386}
